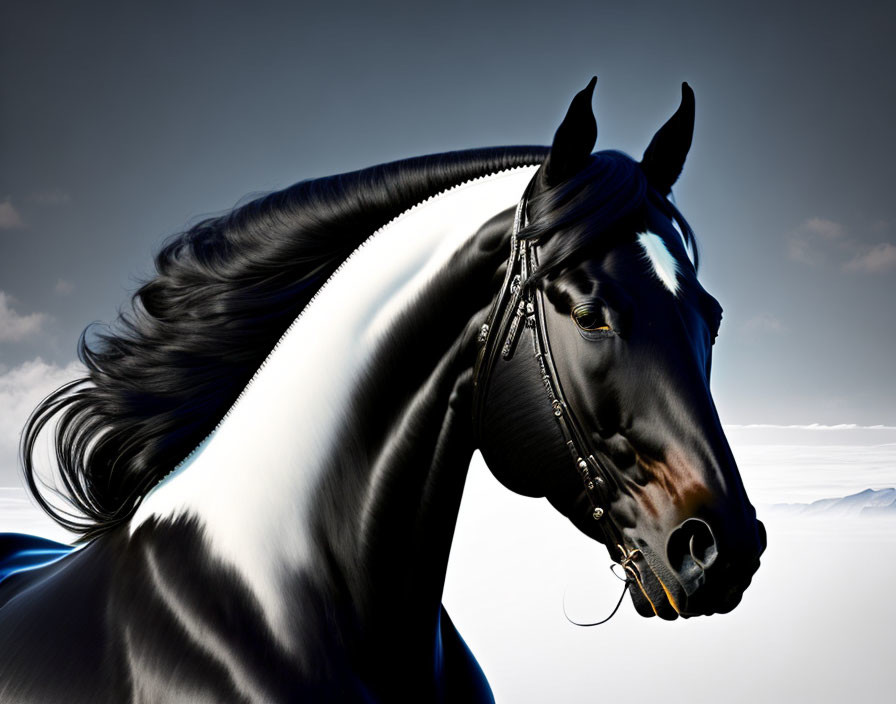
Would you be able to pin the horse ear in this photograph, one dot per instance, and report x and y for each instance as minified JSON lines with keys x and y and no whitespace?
{"x":574,"y":139}
{"x":664,"y":157}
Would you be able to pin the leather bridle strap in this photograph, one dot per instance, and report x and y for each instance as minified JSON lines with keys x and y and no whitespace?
{"x":520,"y":305}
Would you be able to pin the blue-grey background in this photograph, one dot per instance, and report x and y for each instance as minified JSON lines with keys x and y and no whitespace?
{"x":122,"y":123}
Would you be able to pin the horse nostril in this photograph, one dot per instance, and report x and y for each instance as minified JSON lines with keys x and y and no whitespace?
{"x":691,"y":548}
{"x":702,"y":544}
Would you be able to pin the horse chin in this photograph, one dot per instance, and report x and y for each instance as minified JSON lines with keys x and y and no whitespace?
{"x":651,"y":595}
{"x":640,"y":601}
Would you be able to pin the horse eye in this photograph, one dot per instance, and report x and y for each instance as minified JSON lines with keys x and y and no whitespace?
{"x":588,"y":319}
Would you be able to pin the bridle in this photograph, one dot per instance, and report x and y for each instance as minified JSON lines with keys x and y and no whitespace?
{"x":518,"y":306}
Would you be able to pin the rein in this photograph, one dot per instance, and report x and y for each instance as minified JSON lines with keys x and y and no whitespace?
{"x":627,"y":581}
{"x":520,"y":305}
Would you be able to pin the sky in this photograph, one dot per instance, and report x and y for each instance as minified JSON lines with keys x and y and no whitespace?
{"x":123,"y":123}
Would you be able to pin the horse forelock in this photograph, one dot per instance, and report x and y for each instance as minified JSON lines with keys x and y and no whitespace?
{"x":607,"y":201}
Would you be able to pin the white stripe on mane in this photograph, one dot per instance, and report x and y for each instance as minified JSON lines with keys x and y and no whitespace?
{"x":248,"y":484}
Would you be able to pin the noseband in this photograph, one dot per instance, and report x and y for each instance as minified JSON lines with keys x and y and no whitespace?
{"x":519,"y":305}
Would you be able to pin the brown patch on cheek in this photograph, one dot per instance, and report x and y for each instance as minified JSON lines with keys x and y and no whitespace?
{"x":672,"y":480}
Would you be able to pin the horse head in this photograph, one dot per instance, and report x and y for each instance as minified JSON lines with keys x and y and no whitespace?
{"x":593,"y":383}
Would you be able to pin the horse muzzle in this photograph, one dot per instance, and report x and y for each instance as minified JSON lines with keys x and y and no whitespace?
{"x":698,"y":576}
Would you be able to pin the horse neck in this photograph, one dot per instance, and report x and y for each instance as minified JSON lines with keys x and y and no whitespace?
{"x":343,"y":462}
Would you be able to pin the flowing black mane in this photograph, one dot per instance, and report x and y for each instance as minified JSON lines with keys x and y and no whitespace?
{"x":226,"y":289}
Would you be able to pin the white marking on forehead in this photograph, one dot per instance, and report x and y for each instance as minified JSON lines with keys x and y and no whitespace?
{"x":664,"y":264}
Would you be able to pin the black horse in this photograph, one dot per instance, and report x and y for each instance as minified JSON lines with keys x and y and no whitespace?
{"x":328,"y":358}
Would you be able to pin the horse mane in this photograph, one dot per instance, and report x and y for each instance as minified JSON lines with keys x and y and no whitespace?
{"x":165,"y":372}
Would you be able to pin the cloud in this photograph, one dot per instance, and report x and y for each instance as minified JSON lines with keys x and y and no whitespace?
{"x":823,"y":229}
{"x":21,"y":389}
{"x":801,"y":472}
{"x":817,"y":240}
{"x":15,"y":327}
{"x":878,"y":259}
{"x":807,"y":242}
{"x":764,"y":322}
{"x":50,"y":199}
{"x":64,"y":288}
{"x":815,"y":435}
{"x":9,"y":216}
